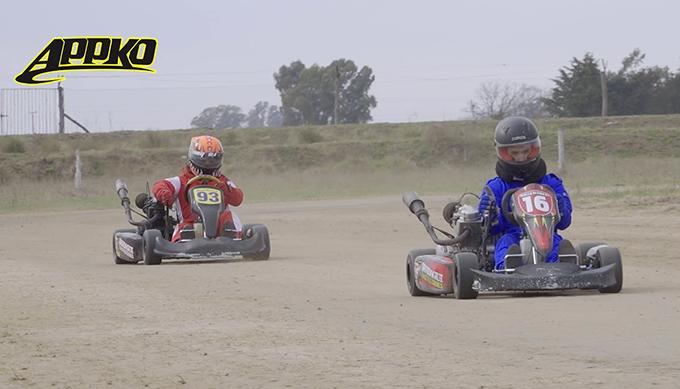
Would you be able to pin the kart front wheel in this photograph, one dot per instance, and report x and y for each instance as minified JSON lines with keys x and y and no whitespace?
{"x":410,"y":271}
{"x":118,"y":260}
{"x":259,"y":230}
{"x":148,"y":245}
{"x":582,"y":251}
{"x":463,"y":276}
{"x":610,"y":255}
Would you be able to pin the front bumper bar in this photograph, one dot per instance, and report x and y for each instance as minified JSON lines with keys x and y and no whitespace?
{"x":211,"y":248}
{"x":545,"y":276}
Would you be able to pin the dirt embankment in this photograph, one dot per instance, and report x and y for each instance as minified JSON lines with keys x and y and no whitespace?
{"x":381,"y":146}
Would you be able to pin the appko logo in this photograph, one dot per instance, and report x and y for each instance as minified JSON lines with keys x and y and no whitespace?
{"x":89,"y":53}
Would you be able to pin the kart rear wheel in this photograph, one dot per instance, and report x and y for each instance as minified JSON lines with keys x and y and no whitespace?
{"x":610,"y":255}
{"x":259,"y":229}
{"x":118,"y":260}
{"x":410,"y":271}
{"x":463,"y":276}
{"x":148,"y":244}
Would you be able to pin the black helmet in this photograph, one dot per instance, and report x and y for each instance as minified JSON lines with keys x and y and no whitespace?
{"x":517,"y":141}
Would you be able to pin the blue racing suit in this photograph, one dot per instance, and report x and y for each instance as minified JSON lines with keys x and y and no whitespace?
{"x":511,"y":234}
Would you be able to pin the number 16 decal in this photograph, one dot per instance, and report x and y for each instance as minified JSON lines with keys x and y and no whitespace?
{"x":539,"y":202}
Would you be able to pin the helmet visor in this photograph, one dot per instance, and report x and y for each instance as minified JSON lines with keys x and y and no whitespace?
{"x":207,"y":161}
{"x":519,"y":154}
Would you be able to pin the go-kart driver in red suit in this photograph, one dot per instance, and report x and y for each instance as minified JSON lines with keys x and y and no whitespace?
{"x":518,"y":148}
{"x":204,"y":158}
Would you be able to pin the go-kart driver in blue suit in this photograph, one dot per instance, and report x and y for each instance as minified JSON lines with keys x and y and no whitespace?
{"x":518,"y":147}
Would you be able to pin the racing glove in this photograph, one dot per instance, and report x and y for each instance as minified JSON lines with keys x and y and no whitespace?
{"x":151,"y":206}
{"x":223,"y":187}
{"x":484,"y":204}
{"x":564,"y":207}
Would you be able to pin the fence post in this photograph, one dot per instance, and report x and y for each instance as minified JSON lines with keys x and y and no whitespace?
{"x":78,"y":178}
{"x":560,"y":151}
{"x":603,"y":87}
{"x":60,"y":91}
{"x":465,"y":151}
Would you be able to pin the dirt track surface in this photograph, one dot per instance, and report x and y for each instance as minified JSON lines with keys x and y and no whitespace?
{"x":329,"y":309}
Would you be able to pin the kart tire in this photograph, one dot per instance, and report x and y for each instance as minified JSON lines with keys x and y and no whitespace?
{"x":463,"y":276}
{"x":148,"y":244}
{"x":610,"y":255}
{"x":410,"y":268}
{"x":259,"y":229}
{"x":582,"y":250}
{"x":116,"y":259}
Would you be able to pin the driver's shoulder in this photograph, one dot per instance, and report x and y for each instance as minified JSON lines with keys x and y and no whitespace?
{"x":552,"y":178}
{"x":496,"y":182}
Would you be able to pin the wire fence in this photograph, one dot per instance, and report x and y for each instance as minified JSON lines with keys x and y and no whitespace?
{"x":29,"y":111}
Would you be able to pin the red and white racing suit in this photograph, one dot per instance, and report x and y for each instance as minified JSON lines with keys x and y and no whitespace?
{"x":167,"y":192}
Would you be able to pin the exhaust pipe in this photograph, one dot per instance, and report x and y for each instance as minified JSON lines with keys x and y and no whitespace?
{"x":417,"y":207}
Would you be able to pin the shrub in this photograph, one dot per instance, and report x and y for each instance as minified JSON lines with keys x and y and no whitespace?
{"x":13,"y":145}
{"x":310,"y":136}
{"x":152,"y":140}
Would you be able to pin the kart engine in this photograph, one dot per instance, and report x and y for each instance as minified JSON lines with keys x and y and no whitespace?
{"x":467,"y":217}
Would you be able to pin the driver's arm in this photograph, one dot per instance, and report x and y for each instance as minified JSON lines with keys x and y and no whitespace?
{"x":164,"y":192}
{"x":232,"y":194}
{"x":485,"y":203}
{"x":563,"y":203}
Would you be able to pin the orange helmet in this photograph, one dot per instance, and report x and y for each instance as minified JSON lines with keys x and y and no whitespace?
{"x":205,"y":153}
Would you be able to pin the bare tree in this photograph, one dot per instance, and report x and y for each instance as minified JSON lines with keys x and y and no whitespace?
{"x":494,"y":100}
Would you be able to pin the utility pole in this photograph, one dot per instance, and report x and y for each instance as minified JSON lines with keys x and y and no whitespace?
{"x":603,"y":85}
{"x":337,"y":92}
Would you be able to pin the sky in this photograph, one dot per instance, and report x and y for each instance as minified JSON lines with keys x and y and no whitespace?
{"x":428,"y":57}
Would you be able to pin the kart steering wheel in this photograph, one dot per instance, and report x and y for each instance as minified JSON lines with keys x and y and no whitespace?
{"x":505,"y":206}
{"x":202,"y":177}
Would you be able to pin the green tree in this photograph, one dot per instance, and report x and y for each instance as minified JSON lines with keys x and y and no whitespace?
{"x":669,"y":94}
{"x":578,"y":90}
{"x":308,"y":95}
{"x":287,"y":81}
{"x":274,"y":117}
{"x":355,"y":104}
{"x":257,"y":116}
{"x":264,"y":115}
{"x":637,"y":91}
{"x":221,"y":116}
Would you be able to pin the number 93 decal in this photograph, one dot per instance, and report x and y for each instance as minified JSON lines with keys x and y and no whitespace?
{"x":207,"y":196}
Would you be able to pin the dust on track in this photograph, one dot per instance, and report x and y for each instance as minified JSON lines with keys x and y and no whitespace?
{"x":329,"y":309}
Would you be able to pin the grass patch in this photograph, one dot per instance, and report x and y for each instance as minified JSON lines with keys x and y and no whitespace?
{"x":152,"y":140}
{"x":309,"y":135}
{"x":13,"y":145}
{"x":619,"y":181}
